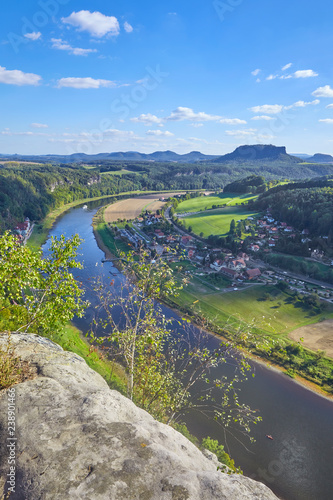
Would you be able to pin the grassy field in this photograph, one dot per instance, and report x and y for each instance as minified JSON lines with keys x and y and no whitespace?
{"x":109,"y":243}
{"x":216,"y":222}
{"x":275,"y":316}
{"x":206,"y":202}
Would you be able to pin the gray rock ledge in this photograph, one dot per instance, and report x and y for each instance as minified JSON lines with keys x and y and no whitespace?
{"x":79,"y":440}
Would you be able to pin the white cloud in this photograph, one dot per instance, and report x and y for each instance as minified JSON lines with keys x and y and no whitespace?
{"x":35,"y":35}
{"x":327,"y":120}
{"x":262,"y":117}
{"x":110,"y":135}
{"x":182,"y":113}
{"x":17,"y":77}
{"x":305,"y":73}
{"x":60,"y":44}
{"x":272,"y":77}
{"x":242,"y":133}
{"x":269,"y":109}
{"x":255,"y":72}
{"x":330,"y":106}
{"x":274,"y":109}
{"x":302,"y":104}
{"x":258,"y":80}
{"x":147,"y":119}
{"x":160,"y":133}
{"x":84,"y":83}
{"x":127,"y":27}
{"x":96,"y":23}
{"x":39,"y":125}
{"x":233,"y":121}
{"x":28,"y":133}
{"x":325,"y":91}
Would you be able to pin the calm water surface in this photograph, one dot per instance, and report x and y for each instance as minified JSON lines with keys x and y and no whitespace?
{"x":298,"y":464}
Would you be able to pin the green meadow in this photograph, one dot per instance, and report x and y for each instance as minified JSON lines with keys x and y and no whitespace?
{"x":206,"y":202}
{"x":276,"y":316}
{"x":216,"y":222}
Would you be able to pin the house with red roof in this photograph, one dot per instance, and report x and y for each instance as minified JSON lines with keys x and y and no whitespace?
{"x":253,"y":273}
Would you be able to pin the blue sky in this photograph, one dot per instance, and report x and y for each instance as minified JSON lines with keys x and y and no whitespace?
{"x":101,"y":76}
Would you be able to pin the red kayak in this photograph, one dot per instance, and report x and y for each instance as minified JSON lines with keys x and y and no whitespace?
{"x":269,"y":436}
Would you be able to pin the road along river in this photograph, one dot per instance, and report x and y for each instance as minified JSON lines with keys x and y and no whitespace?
{"x":297,"y":464}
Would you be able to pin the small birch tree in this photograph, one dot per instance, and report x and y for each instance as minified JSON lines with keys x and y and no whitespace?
{"x":169,"y":373}
{"x":39,"y":294}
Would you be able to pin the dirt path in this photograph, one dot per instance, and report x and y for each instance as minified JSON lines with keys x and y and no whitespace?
{"x":317,"y":336}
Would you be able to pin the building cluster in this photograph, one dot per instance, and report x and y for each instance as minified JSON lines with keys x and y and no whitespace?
{"x":236,"y":268}
{"x":23,"y":230}
{"x":269,"y":231}
{"x":161,"y":239}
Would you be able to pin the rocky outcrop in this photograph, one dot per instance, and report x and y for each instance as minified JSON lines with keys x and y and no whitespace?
{"x":77,"y":439}
{"x":258,"y":152}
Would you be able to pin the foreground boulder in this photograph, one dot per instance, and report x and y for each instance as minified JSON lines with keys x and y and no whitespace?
{"x":77,"y":439}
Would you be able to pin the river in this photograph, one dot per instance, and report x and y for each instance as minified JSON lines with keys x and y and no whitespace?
{"x":297,"y":464}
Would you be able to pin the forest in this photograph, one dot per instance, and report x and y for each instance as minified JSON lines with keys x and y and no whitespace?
{"x":252,"y":184}
{"x":33,"y":190}
{"x":304,"y":205}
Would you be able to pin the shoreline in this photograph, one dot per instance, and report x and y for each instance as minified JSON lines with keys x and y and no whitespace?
{"x":307,"y":384}
{"x":36,"y":240}
{"x":101,"y":245}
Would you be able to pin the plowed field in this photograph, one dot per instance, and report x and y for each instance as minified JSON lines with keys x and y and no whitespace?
{"x":132,"y":208}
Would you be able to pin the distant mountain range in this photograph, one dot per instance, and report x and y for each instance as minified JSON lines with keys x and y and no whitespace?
{"x":242,"y":154}
{"x":158,"y":156}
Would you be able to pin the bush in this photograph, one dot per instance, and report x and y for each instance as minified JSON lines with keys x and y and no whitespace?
{"x":218,"y":449}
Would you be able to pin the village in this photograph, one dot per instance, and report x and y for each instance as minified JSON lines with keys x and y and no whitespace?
{"x":161,"y":237}
{"x":23,"y":231}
